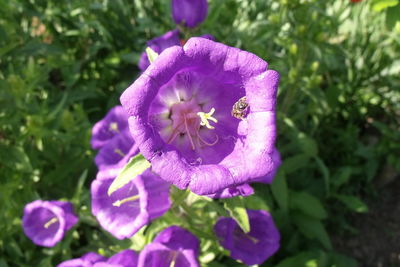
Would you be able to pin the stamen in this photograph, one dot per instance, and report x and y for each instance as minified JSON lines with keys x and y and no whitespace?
{"x":173,"y":261}
{"x":114,"y":127}
{"x":188,"y":133}
{"x":204,"y":117}
{"x":50,"y":222}
{"x":119,"y":152}
{"x":128,"y":199}
{"x":253,"y":239}
{"x":205,"y":142}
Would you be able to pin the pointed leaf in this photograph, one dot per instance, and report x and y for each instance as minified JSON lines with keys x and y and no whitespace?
{"x":235,"y":207}
{"x":136,"y":165}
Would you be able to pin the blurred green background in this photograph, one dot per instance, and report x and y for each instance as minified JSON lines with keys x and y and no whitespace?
{"x":64,"y":63}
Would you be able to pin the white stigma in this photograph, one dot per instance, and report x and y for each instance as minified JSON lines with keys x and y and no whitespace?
{"x":204,"y":117}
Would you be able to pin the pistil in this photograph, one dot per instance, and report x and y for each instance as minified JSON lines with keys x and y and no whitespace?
{"x":188,"y":119}
{"x":119,"y":152}
{"x":122,"y":201}
{"x":50,"y":222}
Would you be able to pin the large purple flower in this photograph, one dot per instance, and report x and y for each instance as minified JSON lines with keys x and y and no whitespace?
{"x":190,"y":13}
{"x":254,"y":247}
{"x":204,"y":116}
{"x":125,"y":258}
{"x":158,"y":45}
{"x":45,"y":222}
{"x":115,"y":122}
{"x":131,"y":207}
{"x":174,"y":246}
{"x":114,"y":155}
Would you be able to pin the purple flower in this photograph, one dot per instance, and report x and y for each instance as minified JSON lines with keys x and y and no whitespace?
{"x":204,"y":116}
{"x":174,"y":246}
{"x":254,"y":247}
{"x":131,"y":207}
{"x":276,"y":161}
{"x":45,"y":222}
{"x":125,"y":258}
{"x":243,"y":190}
{"x":190,"y":13}
{"x":158,"y":45}
{"x":115,"y":122}
{"x":87,"y":260}
{"x":114,"y":155}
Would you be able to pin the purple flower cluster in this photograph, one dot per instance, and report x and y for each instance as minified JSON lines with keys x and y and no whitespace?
{"x":203,"y":114}
{"x":46,"y":222}
{"x":143,"y":199}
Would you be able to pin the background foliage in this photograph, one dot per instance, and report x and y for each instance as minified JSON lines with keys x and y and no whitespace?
{"x":63,"y":64}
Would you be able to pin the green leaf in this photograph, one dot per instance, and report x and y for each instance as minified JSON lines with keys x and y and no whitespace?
{"x":235,"y":207}
{"x":306,"y":259}
{"x":353,"y":203}
{"x":379,"y":5}
{"x":307,"y":144}
{"x":343,"y":176}
{"x":295,"y":163}
{"x":308,"y":204}
{"x":254,"y":202}
{"x":280,"y":190}
{"x":136,"y":165}
{"x":325,"y":173}
{"x":312,"y":228}
{"x":151,"y":54}
{"x":339,"y":260}
{"x":15,"y":158}
{"x":392,"y":16}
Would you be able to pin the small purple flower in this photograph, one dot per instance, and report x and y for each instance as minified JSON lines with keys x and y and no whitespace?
{"x":204,"y":116}
{"x":131,"y":207}
{"x":254,"y":247}
{"x":243,"y":190}
{"x":158,"y":45}
{"x":125,"y":258}
{"x":174,"y":246}
{"x":87,"y":260}
{"x":190,"y":13}
{"x":114,"y":155}
{"x":115,"y":122}
{"x":45,"y":222}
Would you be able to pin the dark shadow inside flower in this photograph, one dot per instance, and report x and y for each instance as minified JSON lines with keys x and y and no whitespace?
{"x":192,"y":112}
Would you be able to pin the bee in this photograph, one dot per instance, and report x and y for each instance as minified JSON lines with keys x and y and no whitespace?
{"x":240,"y":108}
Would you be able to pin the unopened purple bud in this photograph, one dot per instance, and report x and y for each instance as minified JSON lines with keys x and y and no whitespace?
{"x":190,"y":13}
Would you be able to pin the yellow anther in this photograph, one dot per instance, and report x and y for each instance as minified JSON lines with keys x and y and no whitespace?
{"x":128,"y":199}
{"x":50,"y":222}
{"x":114,"y":127}
{"x":204,"y":117}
